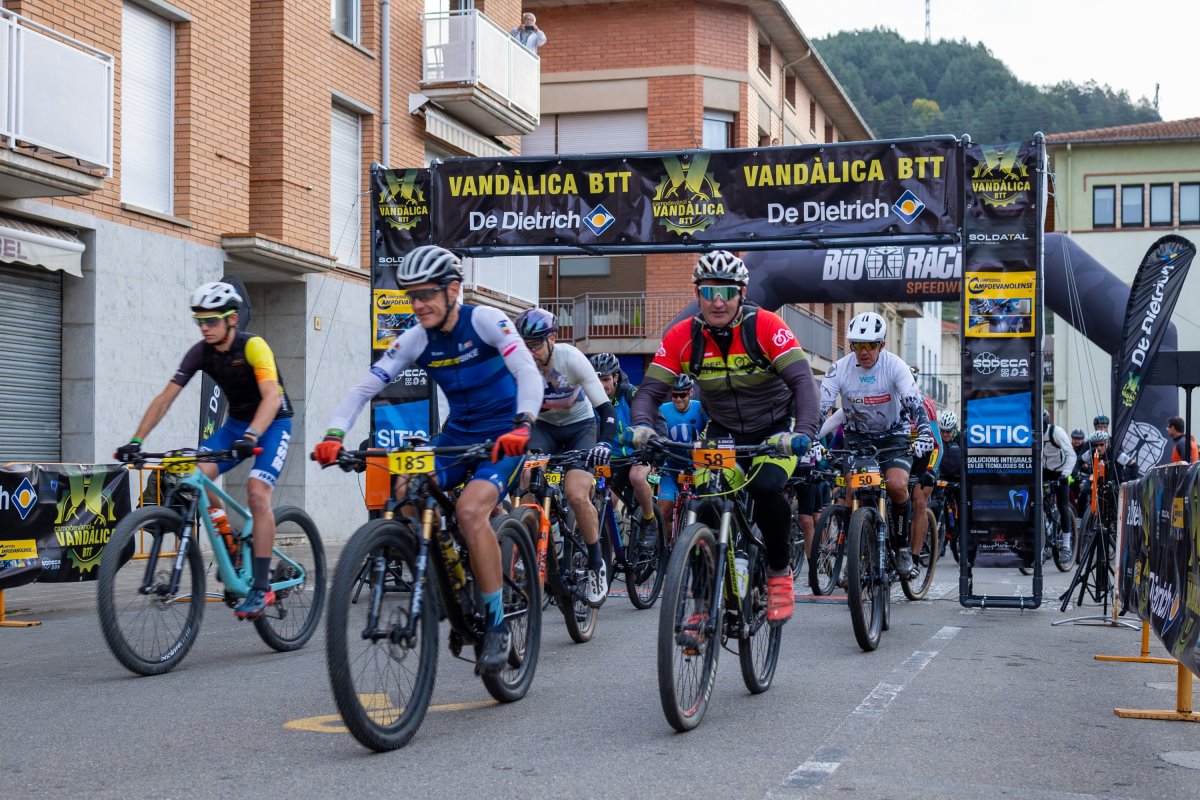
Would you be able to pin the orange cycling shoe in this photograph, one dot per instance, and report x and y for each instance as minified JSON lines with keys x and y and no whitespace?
{"x":780,"y":598}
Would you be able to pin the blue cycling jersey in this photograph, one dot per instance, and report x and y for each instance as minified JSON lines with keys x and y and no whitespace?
{"x":684,"y":426}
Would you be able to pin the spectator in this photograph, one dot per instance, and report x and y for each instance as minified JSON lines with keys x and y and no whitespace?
{"x":528,"y":33}
{"x":1181,"y":451}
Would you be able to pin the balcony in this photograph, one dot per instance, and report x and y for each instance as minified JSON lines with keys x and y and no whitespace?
{"x":633,"y":322}
{"x":910,"y":310}
{"x":56,"y":112}
{"x":480,"y":74}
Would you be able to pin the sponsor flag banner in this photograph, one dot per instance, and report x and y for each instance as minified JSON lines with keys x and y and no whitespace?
{"x":1002,"y":352}
{"x":399,"y":222}
{"x":1152,"y":298}
{"x":743,"y":198}
{"x":57,"y":518}
{"x":1161,"y":548}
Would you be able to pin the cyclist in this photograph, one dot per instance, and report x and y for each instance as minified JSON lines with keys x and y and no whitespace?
{"x":1058,"y":464}
{"x":925,"y":470}
{"x":620,"y":393}
{"x":1078,"y":442}
{"x":473,"y":353}
{"x":260,"y":416}
{"x":881,"y":401}
{"x":952,"y":453}
{"x":685,"y":420}
{"x":756,"y":384}
{"x":571,"y":390}
{"x":1100,"y":422}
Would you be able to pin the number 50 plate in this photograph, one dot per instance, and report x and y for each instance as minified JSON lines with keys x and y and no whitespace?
{"x":411,"y":462}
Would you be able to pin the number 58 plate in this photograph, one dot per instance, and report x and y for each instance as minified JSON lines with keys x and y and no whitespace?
{"x":411,"y":462}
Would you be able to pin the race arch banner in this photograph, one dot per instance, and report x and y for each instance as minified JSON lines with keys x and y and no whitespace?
{"x":755,"y":198}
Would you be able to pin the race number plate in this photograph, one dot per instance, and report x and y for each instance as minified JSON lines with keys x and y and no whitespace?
{"x":714,"y":458}
{"x":411,"y":462}
{"x":602,"y":471}
{"x":684,"y":480}
{"x":860,"y":480}
{"x":553,"y":477}
{"x":179,"y":466}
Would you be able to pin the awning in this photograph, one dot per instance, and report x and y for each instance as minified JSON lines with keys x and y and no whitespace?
{"x":26,"y":242}
{"x":459,"y":136}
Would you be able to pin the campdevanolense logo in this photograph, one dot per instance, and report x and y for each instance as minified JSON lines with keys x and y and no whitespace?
{"x":999,"y":179}
{"x":402,"y":204}
{"x":978,"y":284}
{"x":1164,"y":602}
{"x":688,"y":199}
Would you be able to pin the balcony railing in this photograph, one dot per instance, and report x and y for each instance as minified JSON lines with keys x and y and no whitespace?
{"x":466,"y":47}
{"x":56,"y":93}
{"x":814,"y":334}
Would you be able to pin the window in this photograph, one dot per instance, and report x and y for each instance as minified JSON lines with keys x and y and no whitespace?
{"x":147,"y":110}
{"x":346,"y":15}
{"x":829,"y":132}
{"x":812,"y":116}
{"x":584,"y":267}
{"x":1131,"y":207}
{"x":718,"y":130}
{"x":1160,"y":204}
{"x":764,"y":56}
{"x":789,"y":90}
{"x":345,"y":186}
{"x":1189,"y":204}
{"x":1104,"y":207}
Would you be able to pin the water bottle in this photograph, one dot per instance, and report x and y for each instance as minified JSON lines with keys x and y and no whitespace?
{"x":454,"y":567}
{"x":741,"y":574}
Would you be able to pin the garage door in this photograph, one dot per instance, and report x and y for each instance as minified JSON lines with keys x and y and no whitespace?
{"x":31,"y":368}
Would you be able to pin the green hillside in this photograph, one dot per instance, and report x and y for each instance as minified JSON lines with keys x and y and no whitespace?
{"x":905,"y":88}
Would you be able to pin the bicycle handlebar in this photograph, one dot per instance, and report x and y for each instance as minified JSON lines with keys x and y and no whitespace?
{"x":353,"y":458}
{"x":141,"y":458}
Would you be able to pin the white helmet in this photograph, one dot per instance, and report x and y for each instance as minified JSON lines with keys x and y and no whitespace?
{"x":721,"y":265}
{"x":215,"y":296}
{"x":429,"y":264}
{"x":867,"y":327}
{"x":948,"y":421}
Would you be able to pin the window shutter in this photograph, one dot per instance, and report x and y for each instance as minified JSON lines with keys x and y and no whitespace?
{"x":147,"y":110}
{"x":604,"y":132}
{"x":541,"y":141}
{"x":345,"y":208}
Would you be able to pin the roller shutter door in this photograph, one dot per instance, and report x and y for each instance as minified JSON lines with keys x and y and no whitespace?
{"x":31,"y":367}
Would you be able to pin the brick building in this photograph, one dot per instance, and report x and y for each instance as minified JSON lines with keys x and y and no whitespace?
{"x":667,"y":76}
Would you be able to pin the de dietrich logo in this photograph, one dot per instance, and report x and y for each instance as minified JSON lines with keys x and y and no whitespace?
{"x":401,"y":203}
{"x":999,"y":178}
{"x":688,"y":199}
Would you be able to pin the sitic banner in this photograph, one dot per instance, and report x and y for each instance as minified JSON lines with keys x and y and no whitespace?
{"x":1001,"y":366}
{"x":743,"y":198}
{"x":57,"y":518}
{"x":1161,"y":564}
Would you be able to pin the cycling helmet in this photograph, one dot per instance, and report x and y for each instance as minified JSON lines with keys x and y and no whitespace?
{"x":604,"y":363}
{"x":1077,"y":433}
{"x":215,"y":296}
{"x":683,"y":383}
{"x":867,"y":327}
{"x":536,"y":323}
{"x":948,"y":421}
{"x":1045,"y":420}
{"x":721,"y":265}
{"x":429,"y":264}
{"x":1100,"y":420}
{"x":1099,"y":437}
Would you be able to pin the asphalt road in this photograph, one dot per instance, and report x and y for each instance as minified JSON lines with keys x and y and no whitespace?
{"x":956,"y":703}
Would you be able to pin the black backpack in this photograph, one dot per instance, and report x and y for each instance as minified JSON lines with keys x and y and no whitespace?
{"x":750,"y":343}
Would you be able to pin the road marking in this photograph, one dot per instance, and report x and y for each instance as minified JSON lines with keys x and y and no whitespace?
{"x":857,"y":727}
{"x":332,"y":723}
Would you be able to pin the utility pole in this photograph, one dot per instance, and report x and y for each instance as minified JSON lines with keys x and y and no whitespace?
{"x":928,"y":38}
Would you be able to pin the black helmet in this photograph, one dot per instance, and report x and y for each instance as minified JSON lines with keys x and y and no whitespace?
{"x":605,"y":364}
{"x":1077,"y":433}
{"x":683,"y":383}
{"x":536,"y":324}
{"x":1100,"y":420}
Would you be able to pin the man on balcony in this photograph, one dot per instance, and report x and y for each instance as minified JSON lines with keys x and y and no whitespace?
{"x":528,"y":33}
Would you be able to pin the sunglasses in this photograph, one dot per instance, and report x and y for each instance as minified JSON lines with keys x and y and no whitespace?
{"x":534,"y":344}
{"x":865,"y":347}
{"x":680,"y":395}
{"x":726,"y":293}
{"x":424,"y":295}
{"x":211,"y":320}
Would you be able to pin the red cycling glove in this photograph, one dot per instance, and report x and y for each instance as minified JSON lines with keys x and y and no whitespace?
{"x":514,"y":442}
{"x":326,"y":451}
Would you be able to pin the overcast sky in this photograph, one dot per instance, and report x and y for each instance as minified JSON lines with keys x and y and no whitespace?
{"x":1127,"y":45}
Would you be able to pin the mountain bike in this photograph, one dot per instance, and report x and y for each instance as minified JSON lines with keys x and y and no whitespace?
{"x":715,"y":589}
{"x":381,"y":652}
{"x":1061,"y":539}
{"x":826,"y":561}
{"x":151,"y":608}
{"x":944,"y":504}
{"x":562,"y":555}
{"x":641,"y":560}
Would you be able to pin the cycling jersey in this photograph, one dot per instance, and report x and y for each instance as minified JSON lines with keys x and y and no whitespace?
{"x":1057,"y":453}
{"x":952,"y":457}
{"x":621,"y":401}
{"x":733,"y":391}
{"x":684,"y":426}
{"x":237,"y":371}
{"x":880,"y":401}
{"x":571,"y":388}
{"x":481,"y":365}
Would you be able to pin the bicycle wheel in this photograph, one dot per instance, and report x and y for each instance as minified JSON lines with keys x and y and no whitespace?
{"x":829,"y":550}
{"x":148,"y":627}
{"x":292,"y":620}
{"x":688,"y":644}
{"x":926,"y":562}
{"x":644,"y":575}
{"x":758,"y":642}
{"x":580,"y":617}
{"x":864,"y":585}
{"x":522,"y":609}
{"x":381,"y":680}
{"x":531,"y":520}
{"x":1064,"y":551}
{"x":796,"y":552}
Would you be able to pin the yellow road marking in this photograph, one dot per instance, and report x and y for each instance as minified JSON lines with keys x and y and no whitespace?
{"x":379,"y":708}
